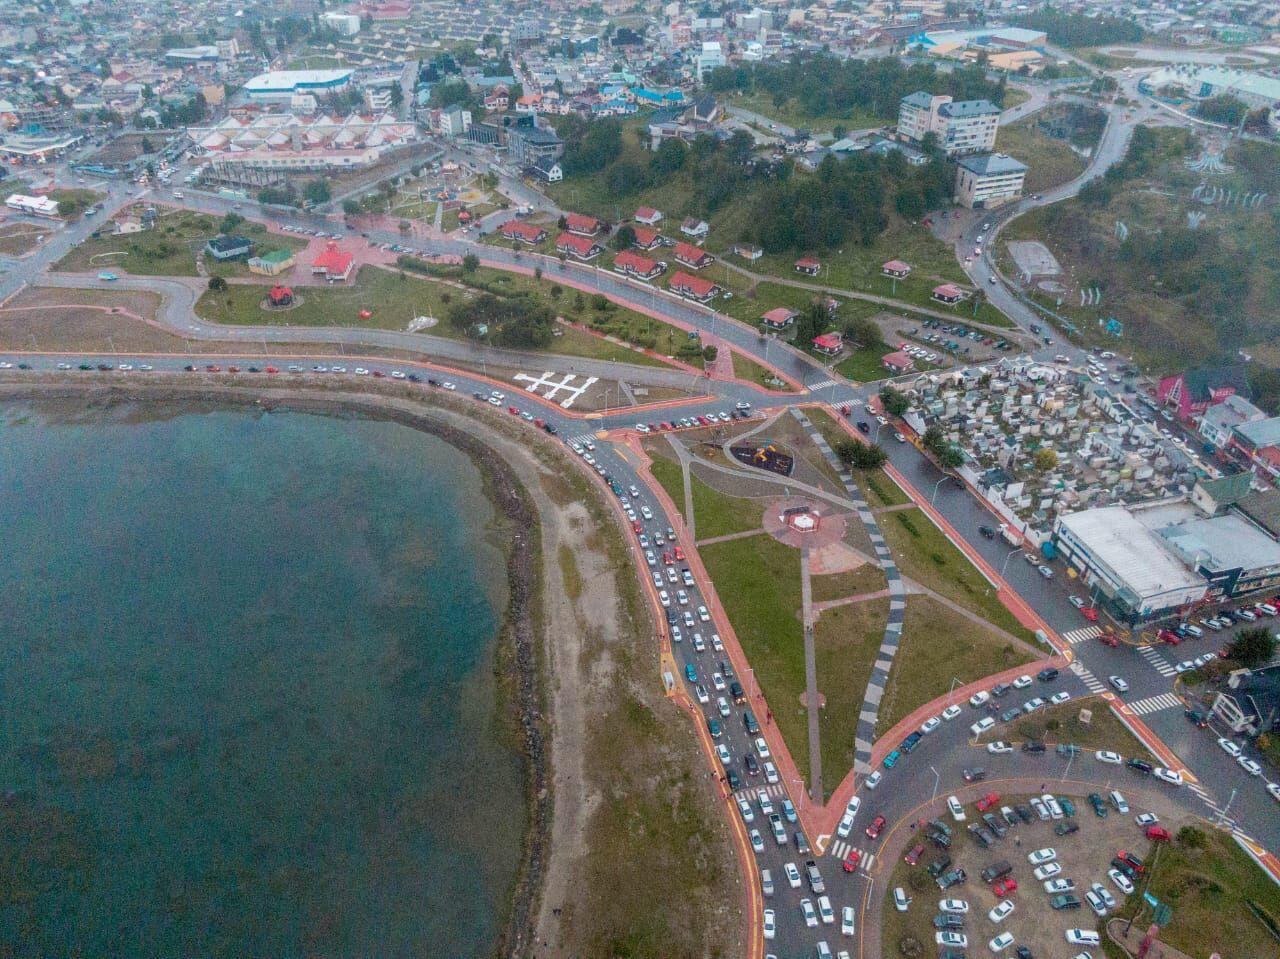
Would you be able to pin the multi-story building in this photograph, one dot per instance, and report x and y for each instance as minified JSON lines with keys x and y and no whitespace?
{"x":988,"y":180}
{"x":281,"y":85}
{"x":960,"y":126}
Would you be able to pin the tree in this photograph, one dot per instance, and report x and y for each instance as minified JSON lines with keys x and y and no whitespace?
{"x":1045,"y":460}
{"x":470,"y":263}
{"x":811,"y":323}
{"x":895,"y":403}
{"x":952,"y":457}
{"x":709,"y":354}
{"x":316,"y":192}
{"x":1252,"y":647}
{"x":860,"y":455}
{"x":230,"y":222}
{"x":405,"y":226}
{"x":351,"y":208}
{"x":625,"y":237}
{"x":217,"y":284}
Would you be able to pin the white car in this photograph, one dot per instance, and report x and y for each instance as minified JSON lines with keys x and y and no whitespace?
{"x":845,"y":827}
{"x":770,"y":924}
{"x":757,"y":842}
{"x":1274,"y":790}
{"x":999,"y":746}
{"x":1106,"y":756}
{"x":956,"y":940}
{"x":1082,"y":937}
{"x":1169,"y":776}
{"x":901,"y":901}
{"x":980,"y":698}
{"x":762,"y":747}
{"x":770,"y":773}
{"x":1001,"y":942}
{"x":642,"y":428}
{"x":1059,"y":698}
{"x":1146,"y":819}
{"x":1076,"y":601}
{"x":873,"y":780}
{"x":792,"y":874}
{"x":1121,"y":881}
{"x":810,"y":914}
{"x":1249,"y":766}
{"x":957,"y":810}
{"x":1059,"y":885}
{"x":1120,"y":685}
{"x":1022,"y":682}
{"x":1228,"y":747}
{"x":1047,"y":871}
{"x":744,"y":808}
{"x":1031,"y":705}
{"x":930,"y":724}
{"x":700,"y":691}
{"x":825,"y":912}
{"x":846,"y":921}
{"x":982,"y":725}
{"x":723,"y":708}
{"x":1184,"y":667}
{"x":959,"y":907}
{"x":950,"y":713}
{"x":766,"y":804}
{"x":722,"y":751}
{"x":1002,"y":910}
{"x":1041,"y":856}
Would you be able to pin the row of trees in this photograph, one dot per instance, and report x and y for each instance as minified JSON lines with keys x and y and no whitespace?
{"x":827,"y":86}
{"x":516,"y":322}
{"x":1081,"y":30}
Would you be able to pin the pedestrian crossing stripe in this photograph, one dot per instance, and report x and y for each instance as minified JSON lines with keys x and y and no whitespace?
{"x":1153,"y":703}
{"x":1198,"y":790}
{"x":1086,"y":676}
{"x":582,"y":439}
{"x":1160,"y":664}
{"x":823,"y":385}
{"x":1080,"y":635}
{"x":776,"y":791}
{"x":840,"y":849}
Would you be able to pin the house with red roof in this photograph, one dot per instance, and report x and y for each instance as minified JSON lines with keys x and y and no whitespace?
{"x":779,"y":318}
{"x":280,"y":295}
{"x":647,"y":239}
{"x":808,"y":266}
{"x":828,"y":344}
{"x":898,"y":362}
{"x":948,"y":293}
{"x":694,"y":287}
{"x":896,"y":269}
{"x":633,"y":264}
{"x":1192,"y":392}
{"x":524,"y":232}
{"x":648,"y":216}
{"x":578,"y":247}
{"x":693,"y":257}
{"x":582,"y":225}
{"x":333,"y":263}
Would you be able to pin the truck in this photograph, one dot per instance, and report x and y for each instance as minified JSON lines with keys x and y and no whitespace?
{"x":1009,"y":536}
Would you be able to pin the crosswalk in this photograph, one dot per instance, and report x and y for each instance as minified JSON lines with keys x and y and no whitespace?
{"x":840,"y":849}
{"x":1092,"y":682}
{"x":1080,"y":635}
{"x":582,"y":439}
{"x":1218,"y":811}
{"x":1158,"y":662}
{"x":776,"y":791}
{"x":814,"y":387}
{"x":1155,"y":703}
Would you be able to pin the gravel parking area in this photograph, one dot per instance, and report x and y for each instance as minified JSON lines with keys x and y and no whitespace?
{"x":1084,"y":855}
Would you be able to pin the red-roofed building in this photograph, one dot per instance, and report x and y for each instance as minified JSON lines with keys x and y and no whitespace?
{"x":280,"y":296}
{"x":948,"y":293}
{"x":692,"y":256}
{"x":828,"y":344}
{"x":808,"y":266}
{"x":524,"y":232}
{"x":648,"y":216}
{"x":896,"y":269}
{"x":694,"y":287}
{"x":582,"y":225}
{"x":647,"y":239}
{"x":779,"y":318}
{"x":633,"y":264}
{"x":578,"y":247}
{"x":898,"y":362}
{"x":333,"y":263}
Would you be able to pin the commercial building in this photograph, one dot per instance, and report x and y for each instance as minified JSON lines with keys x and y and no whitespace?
{"x":710,"y":57}
{"x":1129,"y":568}
{"x":271,"y":263}
{"x":228,"y":247}
{"x":333,"y":263}
{"x":281,"y":85}
{"x":344,"y":24}
{"x":959,"y":126}
{"x":284,"y":142}
{"x":1253,"y":89}
{"x":32,"y":205}
{"x":529,"y":144}
{"x":988,"y":180}
{"x":37,"y":148}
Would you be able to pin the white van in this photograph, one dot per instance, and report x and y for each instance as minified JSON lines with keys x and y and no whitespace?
{"x":1082,"y":937}
{"x":1191,"y":630}
{"x":1117,"y":800}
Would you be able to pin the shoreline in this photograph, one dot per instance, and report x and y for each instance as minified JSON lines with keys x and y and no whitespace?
{"x":521,"y":710}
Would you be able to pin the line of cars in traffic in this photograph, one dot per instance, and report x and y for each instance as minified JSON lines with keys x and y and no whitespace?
{"x":741,"y":410}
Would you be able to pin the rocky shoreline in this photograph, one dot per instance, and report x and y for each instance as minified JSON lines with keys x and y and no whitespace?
{"x":518,"y":660}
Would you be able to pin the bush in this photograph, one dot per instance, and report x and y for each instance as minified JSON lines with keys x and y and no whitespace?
{"x":217,"y":284}
{"x":1191,"y":837}
{"x":910,"y":947}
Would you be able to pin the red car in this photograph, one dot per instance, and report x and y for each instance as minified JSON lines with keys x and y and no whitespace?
{"x":987,"y":801}
{"x":233,"y":369}
{"x":379,"y":374}
{"x":666,"y":559}
{"x":1108,"y":640}
{"x":1170,"y":637}
{"x":679,"y":554}
{"x":1158,"y":834}
{"x":914,"y":855}
{"x":851,"y":861}
{"x":273,"y":369}
{"x":874,"y":829}
{"x":213,"y":369}
{"x":1089,"y":613}
{"x":636,"y":527}
{"x":1134,"y":862}
{"x":1005,"y":887}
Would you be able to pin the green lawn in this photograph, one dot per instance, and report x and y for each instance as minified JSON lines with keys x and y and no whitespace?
{"x":926,"y":556}
{"x":864,"y":366}
{"x":718,"y":514}
{"x":1050,"y":162}
{"x":877,"y":489}
{"x":791,"y":114}
{"x":667,"y":473}
{"x":1209,"y":889}
{"x":867,"y":578}
{"x":1061,"y":724}
{"x":939,"y":645}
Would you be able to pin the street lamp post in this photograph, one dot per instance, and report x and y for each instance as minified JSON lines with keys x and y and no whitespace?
{"x":936,"y":486}
{"x":937,"y":781}
{"x":1008,"y":556}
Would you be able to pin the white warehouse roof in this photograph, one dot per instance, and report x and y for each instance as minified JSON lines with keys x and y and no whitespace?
{"x":1133,"y":553}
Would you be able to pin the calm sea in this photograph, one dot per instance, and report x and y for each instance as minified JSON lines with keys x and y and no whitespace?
{"x":246,"y":696}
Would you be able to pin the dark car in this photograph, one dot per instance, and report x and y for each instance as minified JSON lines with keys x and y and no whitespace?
{"x":975,"y":775}
{"x":1064,"y":901}
{"x":753,"y":767}
{"x":1024,"y":812}
{"x":1066,"y":828}
{"x":103,"y":367}
{"x":734,"y":782}
{"x":1197,"y":717}
{"x":1140,"y":766}
{"x":1047,"y":675}
{"x":911,"y":742}
{"x":1033,"y":746}
{"x":864,"y":426}
{"x":980,"y":835}
{"x":939,"y":866}
{"x":1009,"y":715}
{"x":987,"y":532}
{"x":939,"y":839}
{"x":999,"y":689}
{"x":1099,"y":807}
{"x":948,"y":920}
{"x":1068,"y":749}
{"x":952,"y":878}
{"x":737,"y":692}
{"x":1022,"y":952}
{"x":1123,"y":867}
{"x":996,"y":871}
{"x":940,"y":826}
{"x":995,"y":825}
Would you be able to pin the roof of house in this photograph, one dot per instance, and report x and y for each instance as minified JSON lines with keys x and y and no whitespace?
{"x":275,"y":256}
{"x":947,"y":289}
{"x":920,"y":99}
{"x":518,"y":228}
{"x":897,"y":266}
{"x":828,"y":341}
{"x":690,"y":253}
{"x":333,"y":258}
{"x":1228,"y":489}
{"x":898,"y":358}
{"x":968,"y":108}
{"x":1260,"y":433}
{"x":543,"y":136}
{"x":224,"y":243}
{"x":991,"y":164}
{"x":780,"y":314}
{"x":641,"y":264}
{"x":1233,"y":410}
{"x":546,"y":164}
{"x":645,"y":236}
{"x":1263,"y":509}
{"x":579,"y":244}
{"x":694,"y":284}
{"x":808,"y":262}
{"x":646,"y":212}
{"x":580,"y":221}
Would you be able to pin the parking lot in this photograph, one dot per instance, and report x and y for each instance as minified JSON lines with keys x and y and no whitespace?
{"x":1083,"y":857}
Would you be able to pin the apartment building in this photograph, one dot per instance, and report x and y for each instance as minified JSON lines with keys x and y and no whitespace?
{"x":960,"y":126}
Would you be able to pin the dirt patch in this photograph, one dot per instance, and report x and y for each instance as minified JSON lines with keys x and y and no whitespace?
{"x":19,"y":239}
